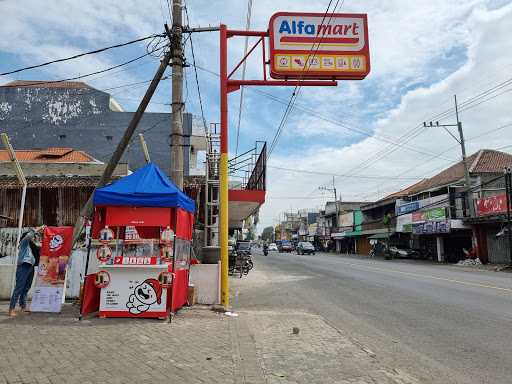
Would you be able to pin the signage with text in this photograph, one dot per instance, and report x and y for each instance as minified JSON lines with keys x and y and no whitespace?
{"x":431,"y":227}
{"x":319,"y":46}
{"x":492,"y":205}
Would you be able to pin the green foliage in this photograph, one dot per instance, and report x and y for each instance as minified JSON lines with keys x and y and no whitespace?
{"x":267,"y":233}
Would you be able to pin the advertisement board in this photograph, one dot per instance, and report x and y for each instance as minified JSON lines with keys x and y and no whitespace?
{"x":51,"y":271}
{"x":430,"y":214}
{"x":491,"y":205}
{"x":134,"y":292}
{"x":406,"y":208}
{"x":319,"y":46}
{"x":431,"y":227}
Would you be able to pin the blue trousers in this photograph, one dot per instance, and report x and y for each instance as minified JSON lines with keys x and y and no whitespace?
{"x":24,"y":276}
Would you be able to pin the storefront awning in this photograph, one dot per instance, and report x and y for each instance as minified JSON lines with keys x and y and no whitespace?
{"x":381,"y":236}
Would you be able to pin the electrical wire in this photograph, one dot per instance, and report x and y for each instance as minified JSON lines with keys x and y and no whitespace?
{"x":80,"y":55}
{"x":330,"y":120}
{"x":370,"y":177}
{"x":244,"y":66}
{"x":297,"y":88}
{"x":195,"y":73}
{"x":39,"y":83}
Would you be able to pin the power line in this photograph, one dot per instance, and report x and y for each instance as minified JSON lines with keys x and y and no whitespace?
{"x":81,"y":54}
{"x":342,"y":175}
{"x":297,"y":88}
{"x":330,"y":120}
{"x":244,"y":65}
{"x":195,"y":73}
{"x":38,"y":83}
{"x":486,"y":133}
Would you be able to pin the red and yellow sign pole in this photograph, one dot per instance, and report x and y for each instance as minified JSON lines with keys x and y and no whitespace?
{"x":224,"y":199}
{"x":230,"y":85}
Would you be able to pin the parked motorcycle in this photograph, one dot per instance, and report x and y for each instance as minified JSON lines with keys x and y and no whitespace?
{"x":240,"y":263}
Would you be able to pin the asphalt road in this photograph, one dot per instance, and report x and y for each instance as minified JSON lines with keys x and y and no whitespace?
{"x":444,"y":324}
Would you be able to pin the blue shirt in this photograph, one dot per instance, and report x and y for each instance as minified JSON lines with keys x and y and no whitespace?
{"x":25,"y":254}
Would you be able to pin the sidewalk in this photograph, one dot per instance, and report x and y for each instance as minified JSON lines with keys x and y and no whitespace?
{"x":200,"y":346}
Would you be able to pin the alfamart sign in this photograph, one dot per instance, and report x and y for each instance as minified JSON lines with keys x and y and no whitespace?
{"x":319,"y":46}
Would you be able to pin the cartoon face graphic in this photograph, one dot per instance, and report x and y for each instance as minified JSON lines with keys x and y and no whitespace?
{"x":144,"y":295}
{"x":56,"y":242}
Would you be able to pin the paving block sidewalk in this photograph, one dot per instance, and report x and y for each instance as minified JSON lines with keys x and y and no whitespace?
{"x":57,"y":348}
{"x":200,"y":346}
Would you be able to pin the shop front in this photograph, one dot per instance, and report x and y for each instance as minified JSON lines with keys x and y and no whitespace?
{"x":139,"y":254}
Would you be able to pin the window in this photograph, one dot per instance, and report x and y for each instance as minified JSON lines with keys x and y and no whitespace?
{"x":109,"y":138}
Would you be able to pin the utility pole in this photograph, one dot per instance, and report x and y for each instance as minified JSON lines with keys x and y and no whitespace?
{"x":464,"y":160}
{"x":87,"y":210}
{"x":333,"y":189}
{"x":460,"y":140}
{"x":177,"y":105}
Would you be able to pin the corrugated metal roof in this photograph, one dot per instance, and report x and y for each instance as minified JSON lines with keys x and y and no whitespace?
{"x":50,"y":155}
{"x":11,"y":182}
{"x":46,"y":84}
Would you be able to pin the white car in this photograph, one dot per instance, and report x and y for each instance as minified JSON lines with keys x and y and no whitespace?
{"x":272,"y":247}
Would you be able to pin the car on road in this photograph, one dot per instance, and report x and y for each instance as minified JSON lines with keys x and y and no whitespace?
{"x":305,"y":247}
{"x":272,"y":247}
{"x":284,"y":246}
{"x":404,"y":253}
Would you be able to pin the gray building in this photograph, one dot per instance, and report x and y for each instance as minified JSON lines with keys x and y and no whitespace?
{"x":75,"y":115}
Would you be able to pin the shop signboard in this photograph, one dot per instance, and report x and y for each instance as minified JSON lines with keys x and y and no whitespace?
{"x":491,"y":205}
{"x":430,"y":214}
{"x":403,"y":222}
{"x":138,"y":216}
{"x":407,"y":208}
{"x":431,"y":227}
{"x":134,"y":292}
{"x":312,"y":46}
{"x":51,"y":272}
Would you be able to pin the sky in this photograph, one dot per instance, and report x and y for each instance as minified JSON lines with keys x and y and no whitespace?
{"x":368,"y":134}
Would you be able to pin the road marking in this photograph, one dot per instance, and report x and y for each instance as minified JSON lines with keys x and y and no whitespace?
{"x":431,"y":277}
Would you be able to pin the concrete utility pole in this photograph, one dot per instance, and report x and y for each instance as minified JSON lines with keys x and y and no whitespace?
{"x":176,"y":171}
{"x":467,"y":181}
{"x":460,"y":140}
{"x":87,"y":210}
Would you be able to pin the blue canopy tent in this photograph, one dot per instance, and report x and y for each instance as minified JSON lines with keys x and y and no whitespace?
{"x":147,"y":187}
{"x":148,"y":201}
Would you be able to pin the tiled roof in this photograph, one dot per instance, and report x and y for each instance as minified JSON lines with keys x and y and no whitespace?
{"x":483,"y":161}
{"x":491,"y":161}
{"x":46,"y":84}
{"x":11,"y":182}
{"x":50,"y":155}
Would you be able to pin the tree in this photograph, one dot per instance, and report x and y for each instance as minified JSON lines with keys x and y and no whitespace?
{"x":267,"y":233}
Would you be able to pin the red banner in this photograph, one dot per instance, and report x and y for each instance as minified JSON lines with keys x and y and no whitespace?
{"x":138,"y":216}
{"x":492,"y":205}
{"x":57,"y":241}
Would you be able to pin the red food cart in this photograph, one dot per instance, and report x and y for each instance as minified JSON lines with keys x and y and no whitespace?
{"x":139,"y":254}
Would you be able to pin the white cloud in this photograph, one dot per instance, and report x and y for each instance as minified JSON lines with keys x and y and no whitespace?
{"x":486,"y":66}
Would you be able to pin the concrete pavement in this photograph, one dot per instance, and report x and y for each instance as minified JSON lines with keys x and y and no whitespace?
{"x":442,"y":324}
{"x":200,"y":346}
